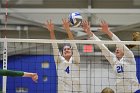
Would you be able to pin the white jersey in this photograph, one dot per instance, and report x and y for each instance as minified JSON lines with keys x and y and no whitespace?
{"x":125,"y":68}
{"x":68,"y":73}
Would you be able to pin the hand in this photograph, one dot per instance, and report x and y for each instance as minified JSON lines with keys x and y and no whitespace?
{"x":34,"y":77}
{"x":86,"y":26}
{"x":104,"y":26}
{"x":49,"y":25}
{"x":66,"y":24}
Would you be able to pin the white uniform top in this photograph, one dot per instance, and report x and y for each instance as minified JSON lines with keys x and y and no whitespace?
{"x":125,"y":68}
{"x":68,"y":72}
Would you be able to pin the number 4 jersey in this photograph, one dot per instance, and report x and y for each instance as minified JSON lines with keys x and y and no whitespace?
{"x":68,"y":76}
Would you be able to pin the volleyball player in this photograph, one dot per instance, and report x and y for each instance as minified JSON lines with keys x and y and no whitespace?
{"x":67,"y":62}
{"x":12,"y":73}
{"x":123,"y":61}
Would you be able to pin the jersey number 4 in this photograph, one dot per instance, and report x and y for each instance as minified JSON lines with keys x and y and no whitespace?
{"x":67,"y":70}
{"x":120,"y":69}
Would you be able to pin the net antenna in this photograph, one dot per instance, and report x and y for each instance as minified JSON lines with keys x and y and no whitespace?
{"x":5,"y":50}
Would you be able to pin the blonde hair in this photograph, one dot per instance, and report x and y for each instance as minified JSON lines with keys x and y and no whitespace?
{"x":136,"y":36}
{"x":107,"y":90}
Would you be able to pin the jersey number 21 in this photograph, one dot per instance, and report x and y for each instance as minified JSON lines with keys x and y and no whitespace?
{"x":119,"y":69}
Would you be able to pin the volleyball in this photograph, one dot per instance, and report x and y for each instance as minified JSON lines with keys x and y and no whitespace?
{"x":75,"y":19}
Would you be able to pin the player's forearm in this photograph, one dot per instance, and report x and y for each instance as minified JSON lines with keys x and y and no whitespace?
{"x":55,"y":50}
{"x":54,"y":45}
{"x":88,"y":31}
{"x":115,"y":38}
{"x":101,"y":46}
{"x":26,"y":74}
{"x":104,"y":49}
{"x":76,"y":54}
{"x":127,"y":52}
{"x":52,"y":35}
{"x":11,"y":73}
{"x":121,"y":46}
{"x":69,"y":34}
{"x":94,"y":37}
{"x":109,"y":33}
{"x":90,"y":34}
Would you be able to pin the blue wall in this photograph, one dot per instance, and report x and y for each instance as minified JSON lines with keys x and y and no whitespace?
{"x":32,"y":63}
{"x":138,"y":70}
{"x":138,"y":67}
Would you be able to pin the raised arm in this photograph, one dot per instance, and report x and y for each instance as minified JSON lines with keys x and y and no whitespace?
{"x":106,"y":30}
{"x":105,"y":51}
{"x":50,"y":27}
{"x":76,"y":54}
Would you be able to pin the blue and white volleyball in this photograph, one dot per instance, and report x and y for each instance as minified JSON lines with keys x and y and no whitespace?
{"x":75,"y":19}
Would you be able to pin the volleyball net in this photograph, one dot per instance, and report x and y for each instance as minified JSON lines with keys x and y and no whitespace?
{"x":36,"y":55}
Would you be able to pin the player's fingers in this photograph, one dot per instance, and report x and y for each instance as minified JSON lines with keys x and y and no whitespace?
{"x":102,"y":22}
{"x":35,"y":80}
{"x":83,"y":24}
{"x":86,"y":22}
{"x":83,"y":21}
{"x":35,"y":77}
{"x":105,"y":23}
{"x":65,"y":20}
